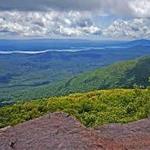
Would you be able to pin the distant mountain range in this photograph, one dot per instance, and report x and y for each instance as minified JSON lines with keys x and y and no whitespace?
{"x":119,"y":75}
{"x":142,"y":42}
{"x":62,"y":44}
{"x":29,"y":76}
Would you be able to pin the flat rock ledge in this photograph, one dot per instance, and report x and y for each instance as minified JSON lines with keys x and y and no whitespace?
{"x":58,"y":131}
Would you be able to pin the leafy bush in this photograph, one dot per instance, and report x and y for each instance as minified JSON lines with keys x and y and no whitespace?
{"x":92,"y":109}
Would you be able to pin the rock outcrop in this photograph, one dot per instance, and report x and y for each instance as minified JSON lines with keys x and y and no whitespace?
{"x":58,"y":131}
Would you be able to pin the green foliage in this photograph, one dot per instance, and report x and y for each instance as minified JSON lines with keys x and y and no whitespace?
{"x":128,"y":74}
{"x":92,"y":109}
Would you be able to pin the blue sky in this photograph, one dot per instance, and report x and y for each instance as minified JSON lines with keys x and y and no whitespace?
{"x":100,"y":19}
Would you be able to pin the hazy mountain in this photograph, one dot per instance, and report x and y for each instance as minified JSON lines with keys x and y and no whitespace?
{"x":24,"y":71}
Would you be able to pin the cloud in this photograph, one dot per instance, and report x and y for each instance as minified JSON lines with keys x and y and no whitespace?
{"x":137,"y":8}
{"x":75,"y":18}
{"x":60,"y":5}
{"x":130,"y":29}
{"x":69,"y":24}
{"x":47,"y":24}
{"x":140,"y":8}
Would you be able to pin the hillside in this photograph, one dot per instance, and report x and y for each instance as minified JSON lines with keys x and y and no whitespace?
{"x":59,"y":131}
{"x":97,"y":109}
{"x":92,"y":109}
{"x":34,"y":69}
{"x":119,"y":75}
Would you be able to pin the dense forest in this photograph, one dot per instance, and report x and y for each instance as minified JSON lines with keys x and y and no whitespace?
{"x":119,"y":75}
{"x":38,"y":68}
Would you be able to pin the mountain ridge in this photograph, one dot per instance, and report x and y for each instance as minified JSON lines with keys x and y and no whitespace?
{"x":119,"y":75}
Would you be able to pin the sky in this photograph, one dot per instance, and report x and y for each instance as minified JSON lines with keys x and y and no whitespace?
{"x":94,"y":19}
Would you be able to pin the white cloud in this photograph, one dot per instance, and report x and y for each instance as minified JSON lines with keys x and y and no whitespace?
{"x":137,"y":8}
{"x":136,"y":28}
{"x":50,"y":23}
{"x":80,"y":31}
{"x":54,"y":23}
{"x":140,"y":8}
